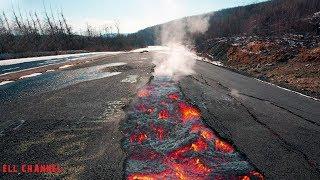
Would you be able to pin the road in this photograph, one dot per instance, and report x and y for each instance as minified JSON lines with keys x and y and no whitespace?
{"x":74,"y":119}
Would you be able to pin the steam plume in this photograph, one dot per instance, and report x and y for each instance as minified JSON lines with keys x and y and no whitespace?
{"x":177,"y":36}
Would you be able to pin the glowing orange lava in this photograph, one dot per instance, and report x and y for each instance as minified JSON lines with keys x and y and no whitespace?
{"x":244,"y":178}
{"x":174,"y":96}
{"x":223,"y":146}
{"x":188,"y":112}
{"x":159,"y":132}
{"x":191,"y":169}
{"x":201,"y":167}
{"x":170,"y":140}
{"x":163,"y":114}
{"x":150,"y":110}
{"x":199,"y":145}
{"x":138,"y":137}
{"x":143,"y":93}
{"x":257,"y":175}
{"x":149,"y":176}
{"x":204,"y":132}
{"x":178,"y":153}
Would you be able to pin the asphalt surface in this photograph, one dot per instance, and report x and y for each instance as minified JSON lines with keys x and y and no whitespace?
{"x":43,"y":61}
{"x":76,"y":125}
{"x":277,"y":130}
{"x":71,"y":119}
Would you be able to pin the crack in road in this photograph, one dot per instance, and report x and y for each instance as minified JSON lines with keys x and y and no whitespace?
{"x":222,"y":128}
{"x":261,"y":99}
{"x":288,"y":145}
{"x":281,"y":107}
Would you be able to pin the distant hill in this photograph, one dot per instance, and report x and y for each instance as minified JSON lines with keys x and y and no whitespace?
{"x":273,"y":17}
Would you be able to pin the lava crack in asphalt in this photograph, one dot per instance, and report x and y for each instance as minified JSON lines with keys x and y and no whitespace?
{"x":165,"y":138}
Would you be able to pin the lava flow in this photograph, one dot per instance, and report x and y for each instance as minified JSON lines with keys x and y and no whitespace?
{"x":165,"y":138}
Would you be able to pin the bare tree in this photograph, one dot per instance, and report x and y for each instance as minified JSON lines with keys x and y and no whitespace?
{"x":17,"y":21}
{"x":117,"y":26}
{"x":6,"y":22}
{"x":33,"y":23}
{"x":51,"y":26}
{"x":39,"y":22}
{"x":66,"y":26}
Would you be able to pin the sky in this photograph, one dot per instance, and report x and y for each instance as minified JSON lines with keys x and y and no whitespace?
{"x":132,"y":15}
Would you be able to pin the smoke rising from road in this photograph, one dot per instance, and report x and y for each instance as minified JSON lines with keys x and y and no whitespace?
{"x":177,"y":36}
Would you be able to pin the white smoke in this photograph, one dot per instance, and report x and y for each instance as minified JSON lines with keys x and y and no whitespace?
{"x":176,"y":36}
{"x":179,"y":62}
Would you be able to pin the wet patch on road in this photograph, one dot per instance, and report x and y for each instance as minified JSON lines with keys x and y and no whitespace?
{"x":57,"y":80}
{"x":165,"y":138}
{"x":130,"y":79}
{"x":12,"y":127}
{"x":112,"y":112}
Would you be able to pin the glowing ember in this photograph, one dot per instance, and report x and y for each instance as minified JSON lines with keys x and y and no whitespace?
{"x":201,"y":167}
{"x":188,"y":112}
{"x":138,"y":138}
{"x":256,"y":175}
{"x":143,"y":93}
{"x":223,"y":146}
{"x":150,"y":110}
{"x":192,"y":168}
{"x":148,"y":176}
{"x":199,"y":145}
{"x":166,"y":139}
{"x":178,"y":153}
{"x":245,"y":178}
{"x":163,"y":114}
{"x":159,"y":131}
{"x":204,"y":132}
{"x":174,"y":96}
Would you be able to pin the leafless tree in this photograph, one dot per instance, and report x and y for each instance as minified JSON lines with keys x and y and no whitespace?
{"x":117,"y":26}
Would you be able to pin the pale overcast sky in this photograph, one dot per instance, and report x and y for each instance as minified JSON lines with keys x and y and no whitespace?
{"x":133,"y":15}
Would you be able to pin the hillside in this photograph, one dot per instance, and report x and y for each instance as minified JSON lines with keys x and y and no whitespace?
{"x":276,"y":41}
{"x":262,"y":19}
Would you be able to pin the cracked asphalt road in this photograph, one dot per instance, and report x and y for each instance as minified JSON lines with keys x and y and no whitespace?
{"x":77,"y":125}
{"x":278,"y":130}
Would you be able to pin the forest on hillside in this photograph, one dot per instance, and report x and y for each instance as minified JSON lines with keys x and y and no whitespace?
{"x":274,"y":17}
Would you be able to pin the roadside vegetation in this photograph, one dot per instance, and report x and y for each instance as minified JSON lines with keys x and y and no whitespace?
{"x":34,"y":34}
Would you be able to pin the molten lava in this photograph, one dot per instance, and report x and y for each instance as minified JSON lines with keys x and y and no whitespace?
{"x":201,"y":167}
{"x":257,"y":175}
{"x":163,"y":114}
{"x":170,"y":141}
{"x":150,"y":110}
{"x":143,"y":93}
{"x":138,"y":137}
{"x":192,"y":169}
{"x":244,"y":178}
{"x":199,"y":145}
{"x":252,"y":175}
{"x":188,"y":112}
{"x":159,"y":132}
{"x":223,"y":146}
{"x":174,"y":96}
{"x":204,"y":132}
{"x":179,"y":153}
{"x":149,"y":176}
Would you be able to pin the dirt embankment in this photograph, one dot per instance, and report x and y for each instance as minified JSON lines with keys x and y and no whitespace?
{"x":292,"y":61}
